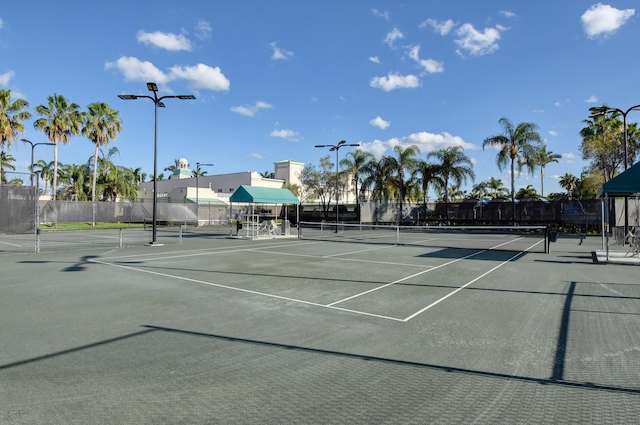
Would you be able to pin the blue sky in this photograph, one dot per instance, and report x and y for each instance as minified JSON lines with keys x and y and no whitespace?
{"x":274,"y":78}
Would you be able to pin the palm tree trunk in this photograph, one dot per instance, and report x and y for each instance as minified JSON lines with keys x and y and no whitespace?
{"x":93,"y":185}
{"x":513,"y":192}
{"x":54,"y":183}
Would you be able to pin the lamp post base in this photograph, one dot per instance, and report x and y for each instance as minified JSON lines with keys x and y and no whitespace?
{"x":154,"y":244}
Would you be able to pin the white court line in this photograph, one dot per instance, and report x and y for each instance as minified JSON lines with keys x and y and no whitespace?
{"x":12,"y":244}
{"x":217,"y":285}
{"x":461,"y":288}
{"x":405,"y":278}
{"x":332,"y":305}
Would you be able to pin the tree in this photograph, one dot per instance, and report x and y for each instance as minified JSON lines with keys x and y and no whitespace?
{"x":542,"y":158}
{"x":525,"y":192}
{"x":11,"y":117}
{"x":568,"y":182}
{"x":427,"y":174}
{"x":59,"y":121}
{"x":173,"y":167}
{"x":354,"y":165}
{"x":139,"y":175}
{"x":454,"y":167}
{"x":198,"y":172}
{"x":517,"y":147}
{"x":496,"y":186}
{"x":405,"y":161}
{"x":319,"y":183}
{"x":6,"y":163}
{"x":44,"y":171}
{"x":603,"y":144}
{"x":74,"y":177}
{"x":102,"y":125}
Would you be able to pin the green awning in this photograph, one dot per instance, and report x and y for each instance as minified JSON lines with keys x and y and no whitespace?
{"x":627,"y":183}
{"x":263,"y":195}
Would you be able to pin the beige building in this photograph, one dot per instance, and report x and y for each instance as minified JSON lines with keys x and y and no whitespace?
{"x":217,"y":188}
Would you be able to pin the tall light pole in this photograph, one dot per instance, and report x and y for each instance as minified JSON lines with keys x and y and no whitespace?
{"x":197,"y":187}
{"x":33,"y":146}
{"x":153,"y":87}
{"x":336,"y":148}
{"x":36,"y":212}
{"x":603,"y":110}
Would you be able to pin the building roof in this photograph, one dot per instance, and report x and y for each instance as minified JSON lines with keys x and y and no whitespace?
{"x":263,"y":195}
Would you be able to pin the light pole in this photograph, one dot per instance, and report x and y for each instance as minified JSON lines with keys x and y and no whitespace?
{"x":33,"y":146}
{"x":336,"y":148}
{"x":197,"y":186}
{"x":153,"y":87}
{"x":603,"y":110}
{"x":36,"y":212}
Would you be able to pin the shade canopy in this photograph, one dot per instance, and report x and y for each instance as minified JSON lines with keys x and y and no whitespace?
{"x":263,"y":195}
{"x":627,"y":183}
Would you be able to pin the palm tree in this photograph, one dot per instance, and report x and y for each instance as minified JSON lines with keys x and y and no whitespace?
{"x":543,"y":158}
{"x":139,"y":175}
{"x":44,"y":171}
{"x":173,"y":167}
{"x":496,"y":186}
{"x":102,"y":125}
{"x":6,"y":163}
{"x":525,"y":192}
{"x":454,"y":166}
{"x":517,"y":146}
{"x":199,"y":173}
{"x":354,"y":164}
{"x":568,"y":182}
{"x":74,"y":176}
{"x":118,"y":182}
{"x":405,"y":161}
{"x":11,"y":117}
{"x":429,"y":174}
{"x":59,"y":121}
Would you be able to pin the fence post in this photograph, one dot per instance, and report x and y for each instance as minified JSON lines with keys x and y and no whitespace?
{"x":120,"y":238}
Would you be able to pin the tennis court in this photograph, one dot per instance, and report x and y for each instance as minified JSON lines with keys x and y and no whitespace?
{"x":323,"y":329}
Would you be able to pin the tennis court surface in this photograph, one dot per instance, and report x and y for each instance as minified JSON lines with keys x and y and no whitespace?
{"x":326,"y":329}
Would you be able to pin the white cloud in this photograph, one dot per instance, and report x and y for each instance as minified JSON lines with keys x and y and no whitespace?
{"x":256,"y":155}
{"x":279,"y":53}
{"x":374,"y":59}
{"x":379,"y":122}
{"x":592,"y":99}
{"x":203,"y":30}
{"x":380,"y":14}
{"x":286,"y":134}
{"x":602,"y":19}
{"x":4,"y":78}
{"x":427,"y":142}
{"x":430,"y":65}
{"x":478,"y":43}
{"x":198,"y":77}
{"x":202,"y":76}
{"x":168,"y":41}
{"x":569,"y":157}
{"x":553,"y":133}
{"x":137,"y":70}
{"x":508,"y":14}
{"x":395,"y":81}
{"x":392,"y":36}
{"x":250,"y":111}
{"x":442,"y":28}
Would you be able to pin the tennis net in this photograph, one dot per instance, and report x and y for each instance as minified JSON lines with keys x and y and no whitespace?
{"x":473,"y":238}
